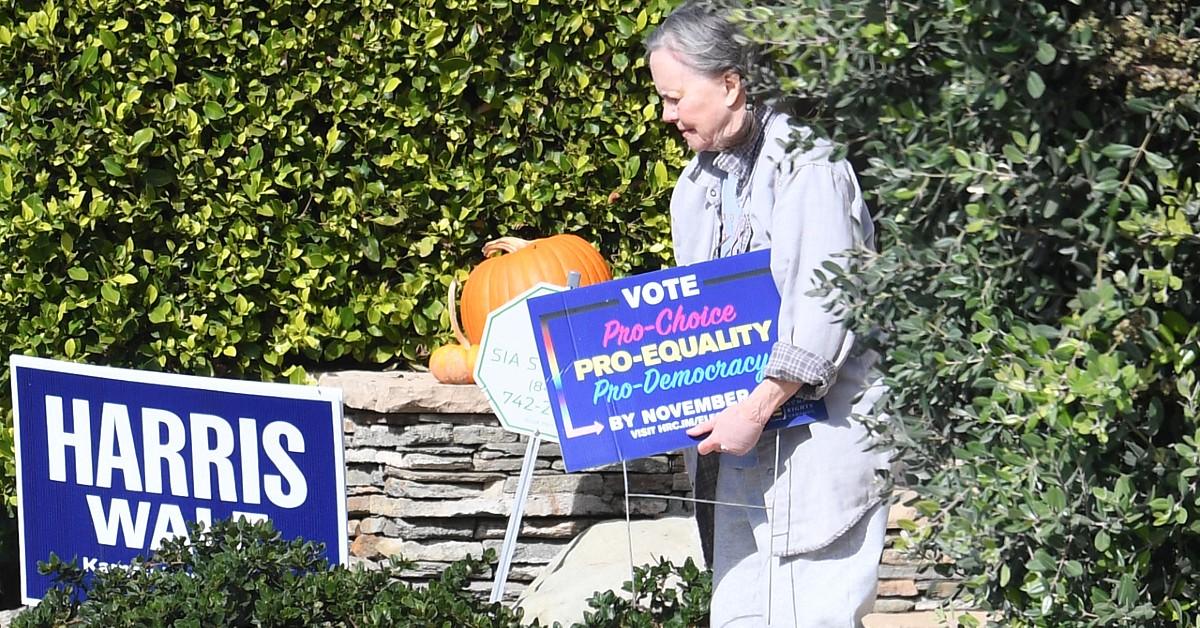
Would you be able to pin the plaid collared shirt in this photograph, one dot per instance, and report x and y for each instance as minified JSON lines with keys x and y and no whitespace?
{"x":793,"y":364}
{"x":740,"y":160}
{"x":738,"y":163}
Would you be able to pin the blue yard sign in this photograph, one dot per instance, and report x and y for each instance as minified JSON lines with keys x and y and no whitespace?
{"x":633,"y":363}
{"x":110,"y":462}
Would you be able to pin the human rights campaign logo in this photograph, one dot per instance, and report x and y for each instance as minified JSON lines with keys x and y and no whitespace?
{"x":111,"y":462}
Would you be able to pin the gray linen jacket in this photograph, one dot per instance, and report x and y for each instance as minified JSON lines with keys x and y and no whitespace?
{"x":807,"y":210}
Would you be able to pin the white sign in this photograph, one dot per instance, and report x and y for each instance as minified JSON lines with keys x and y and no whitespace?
{"x":509,"y":371}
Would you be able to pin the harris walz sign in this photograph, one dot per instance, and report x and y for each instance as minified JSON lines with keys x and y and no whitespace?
{"x":111,"y":462}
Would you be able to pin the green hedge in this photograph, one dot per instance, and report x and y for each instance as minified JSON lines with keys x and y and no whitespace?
{"x":251,"y":188}
{"x":1036,"y":168}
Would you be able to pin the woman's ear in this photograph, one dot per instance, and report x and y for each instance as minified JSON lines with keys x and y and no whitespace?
{"x":735,"y":93}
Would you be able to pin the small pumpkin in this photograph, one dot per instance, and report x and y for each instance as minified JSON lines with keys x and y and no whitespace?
{"x":520,"y":265}
{"x":455,"y":363}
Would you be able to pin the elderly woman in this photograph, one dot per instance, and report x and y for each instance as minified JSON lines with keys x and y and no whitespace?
{"x":805,"y":547}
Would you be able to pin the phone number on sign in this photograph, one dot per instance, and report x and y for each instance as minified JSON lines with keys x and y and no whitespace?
{"x":526,"y":402}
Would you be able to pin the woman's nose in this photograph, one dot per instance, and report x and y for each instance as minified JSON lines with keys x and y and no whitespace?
{"x":669,"y":114}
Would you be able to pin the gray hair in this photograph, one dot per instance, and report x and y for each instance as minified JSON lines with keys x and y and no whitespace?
{"x":705,"y":39}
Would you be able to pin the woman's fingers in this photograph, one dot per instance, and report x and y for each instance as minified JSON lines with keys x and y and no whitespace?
{"x":714,"y":442}
{"x":709,"y":446}
{"x":702,"y":428}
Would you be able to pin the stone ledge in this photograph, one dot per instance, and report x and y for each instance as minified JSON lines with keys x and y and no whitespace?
{"x":7,"y":616}
{"x":927,"y":619}
{"x":404,"y":392}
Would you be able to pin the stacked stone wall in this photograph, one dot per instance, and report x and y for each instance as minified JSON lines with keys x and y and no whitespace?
{"x":432,"y":477}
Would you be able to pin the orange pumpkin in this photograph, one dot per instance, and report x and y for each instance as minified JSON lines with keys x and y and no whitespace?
{"x":454,"y":364}
{"x":522,"y":264}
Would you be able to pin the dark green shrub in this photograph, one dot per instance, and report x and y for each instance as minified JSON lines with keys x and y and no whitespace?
{"x":238,"y":574}
{"x":1036,"y":168}
{"x":667,"y":595}
{"x":241,"y":574}
{"x":254,"y":187}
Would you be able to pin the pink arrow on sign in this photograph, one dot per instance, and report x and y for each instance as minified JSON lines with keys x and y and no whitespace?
{"x":573,"y":432}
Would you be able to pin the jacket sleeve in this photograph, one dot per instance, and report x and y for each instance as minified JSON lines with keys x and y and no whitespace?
{"x":817,"y":217}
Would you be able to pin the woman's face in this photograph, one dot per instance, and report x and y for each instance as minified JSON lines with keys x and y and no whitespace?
{"x":707,"y":110}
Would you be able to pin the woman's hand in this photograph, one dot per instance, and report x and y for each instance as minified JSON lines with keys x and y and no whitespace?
{"x":735,"y":430}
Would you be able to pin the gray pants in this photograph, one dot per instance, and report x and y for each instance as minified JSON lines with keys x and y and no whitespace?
{"x":833,"y":587}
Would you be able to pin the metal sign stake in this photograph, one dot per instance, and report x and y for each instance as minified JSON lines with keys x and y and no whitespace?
{"x":514,"y":519}
{"x":518,"y":511}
